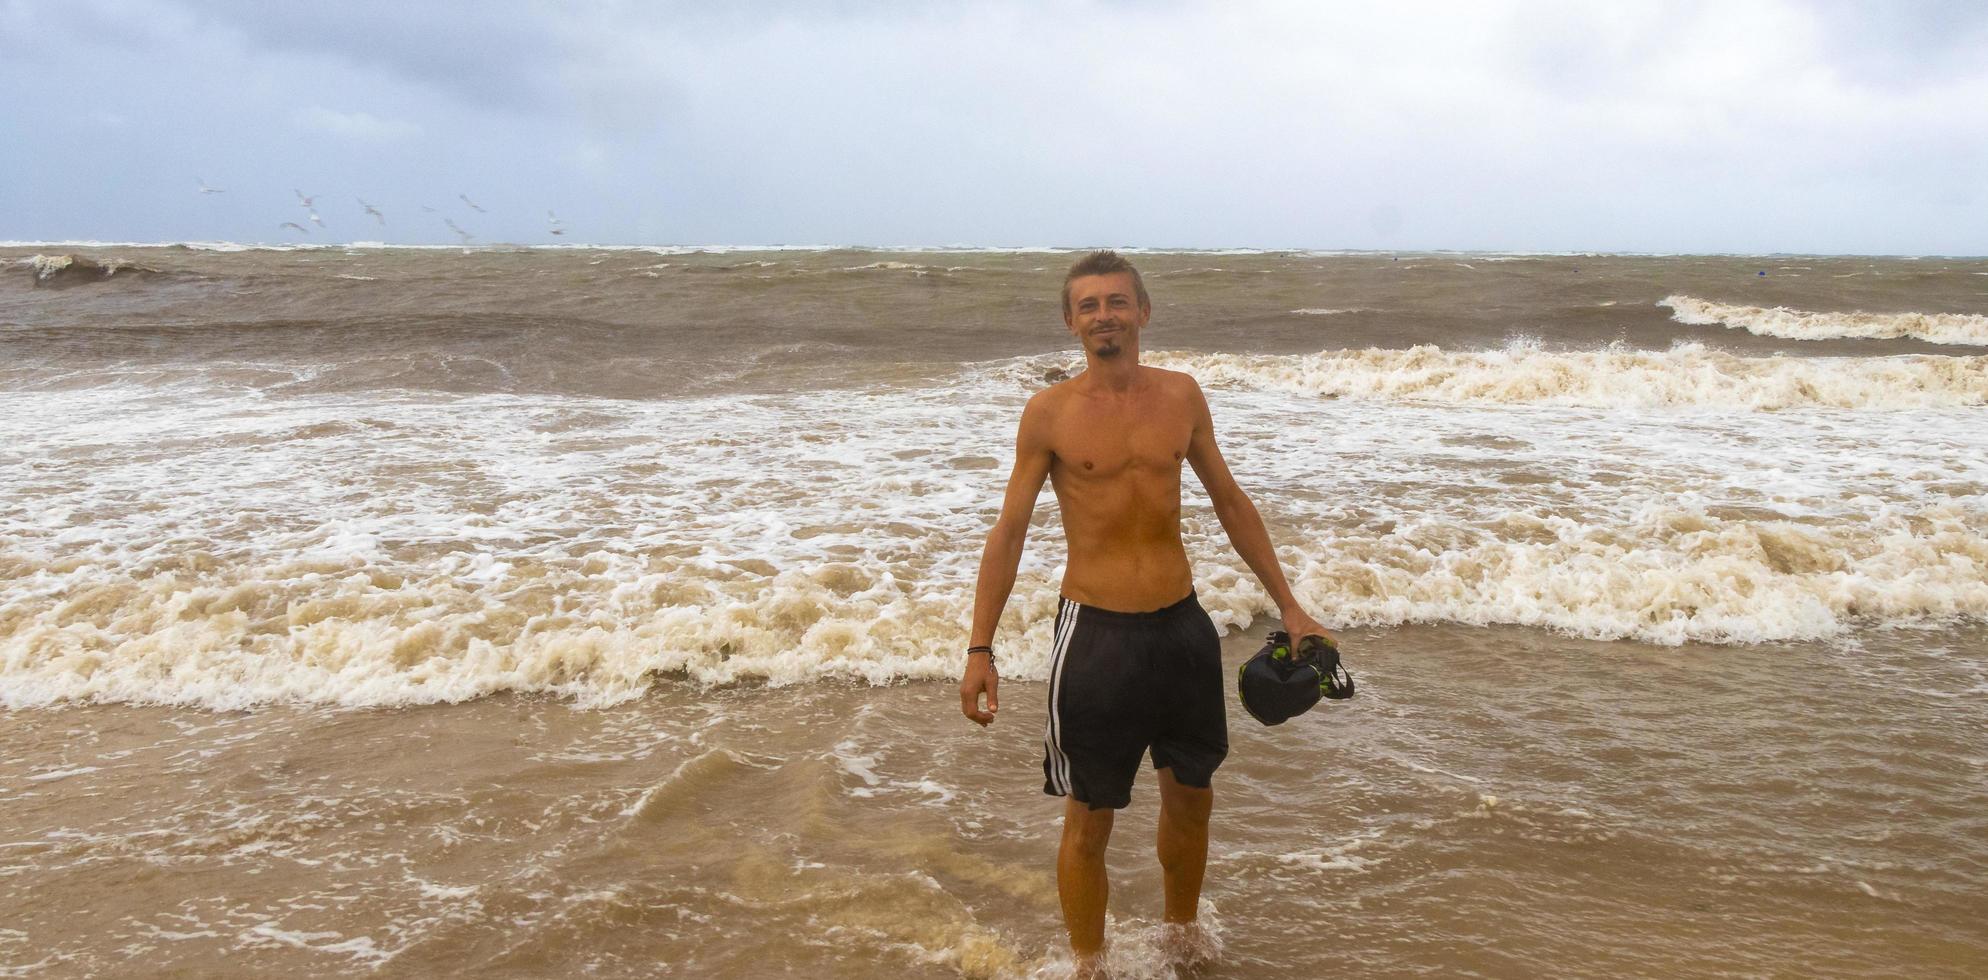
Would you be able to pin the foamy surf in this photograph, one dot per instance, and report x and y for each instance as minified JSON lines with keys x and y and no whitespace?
{"x":1688,"y":376}
{"x":1938,"y":328}
{"x":365,"y":635}
{"x":586,"y":547}
{"x":65,"y":269}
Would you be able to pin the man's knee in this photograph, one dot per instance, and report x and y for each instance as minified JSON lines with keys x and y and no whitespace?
{"x":1087,"y":830}
{"x":1185,"y":806}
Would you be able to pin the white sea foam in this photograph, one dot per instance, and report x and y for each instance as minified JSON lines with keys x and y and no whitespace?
{"x":1938,"y":328}
{"x":1686,"y":376}
{"x":48,"y":266}
{"x":360,"y":949}
{"x":221,"y":548}
{"x":42,"y":777}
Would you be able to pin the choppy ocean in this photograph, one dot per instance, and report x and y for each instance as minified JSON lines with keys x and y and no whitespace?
{"x":526,"y":611}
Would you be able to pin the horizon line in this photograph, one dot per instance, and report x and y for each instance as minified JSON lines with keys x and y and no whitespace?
{"x":225,"y":246}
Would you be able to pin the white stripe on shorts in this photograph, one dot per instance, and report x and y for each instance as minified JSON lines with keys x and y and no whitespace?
{"x":1059,"y":764}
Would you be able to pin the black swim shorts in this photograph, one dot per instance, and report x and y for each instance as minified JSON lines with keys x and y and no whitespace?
{"x":1122,"y":683}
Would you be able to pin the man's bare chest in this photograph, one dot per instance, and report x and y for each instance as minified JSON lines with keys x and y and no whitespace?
{"x":1107,"y":444}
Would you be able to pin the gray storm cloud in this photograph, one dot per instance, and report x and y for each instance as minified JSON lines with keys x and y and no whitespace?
{"x":1750,"y":126}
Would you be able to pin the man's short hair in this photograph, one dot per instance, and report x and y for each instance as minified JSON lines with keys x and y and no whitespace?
{"x":1103,"y":262}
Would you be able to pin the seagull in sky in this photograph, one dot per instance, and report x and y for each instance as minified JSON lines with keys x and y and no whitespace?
{"x":319,"y":221}
{"x":554,"y":219}
{"x":375,"y":212}
{"x":466,"y":236}
{"x":473,"y":204}
{"x":292,"y":224}
{"x":204,"y":189}
{"x":308,"y":200}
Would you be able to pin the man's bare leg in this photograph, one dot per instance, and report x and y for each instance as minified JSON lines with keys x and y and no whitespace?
{"x":1080,"y":880}
{"x":1183,"y":848}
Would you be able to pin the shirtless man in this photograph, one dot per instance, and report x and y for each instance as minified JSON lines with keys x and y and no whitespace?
{"x":1136,"y":664}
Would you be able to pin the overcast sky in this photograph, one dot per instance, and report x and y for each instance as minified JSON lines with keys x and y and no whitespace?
{"x":1729,"y":126}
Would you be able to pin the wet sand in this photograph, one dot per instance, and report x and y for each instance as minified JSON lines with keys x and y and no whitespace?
{"x":1495,"y":802}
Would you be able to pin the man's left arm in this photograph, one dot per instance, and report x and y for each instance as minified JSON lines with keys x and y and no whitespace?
{"x":1242,"y":523}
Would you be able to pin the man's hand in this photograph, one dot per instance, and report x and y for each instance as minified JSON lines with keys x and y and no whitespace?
{"x":1300,"y":624}
{"x":980,"y":678}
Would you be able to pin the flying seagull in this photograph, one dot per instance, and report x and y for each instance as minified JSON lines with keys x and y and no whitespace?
{"x":466,"y":236}
{"x":375,"y":212}
{"x":319,"y":221}
{"x":292,"y":224}
{"x":554,"y":219}
{"x":204,"y":189}
{"x":309,"y":200}
{"x":473,"y":204}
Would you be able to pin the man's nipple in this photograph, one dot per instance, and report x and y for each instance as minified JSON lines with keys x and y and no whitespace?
{"x":1087,"y":464}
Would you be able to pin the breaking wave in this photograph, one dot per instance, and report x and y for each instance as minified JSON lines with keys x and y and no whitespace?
{"x":600,"y":626}
{"x":586,"y":547}
{"x":73,"y":270}
{"x":1939,"y":328}
{"x":1686,"y":376}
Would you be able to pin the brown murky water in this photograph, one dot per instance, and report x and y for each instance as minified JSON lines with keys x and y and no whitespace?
{"x":595,"y":612}
{"x":1495,"y":802}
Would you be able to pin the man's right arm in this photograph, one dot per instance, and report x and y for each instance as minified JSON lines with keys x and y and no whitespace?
{"x":1003,"y":554}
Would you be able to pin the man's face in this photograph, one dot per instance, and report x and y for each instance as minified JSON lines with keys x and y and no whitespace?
{"x":1105,"y":314}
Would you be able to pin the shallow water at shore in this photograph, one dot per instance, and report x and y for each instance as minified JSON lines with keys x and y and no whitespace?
{"x":506,"y":612}
{"x":1495,"y":802}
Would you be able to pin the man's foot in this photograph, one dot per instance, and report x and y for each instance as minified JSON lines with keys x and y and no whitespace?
{"x":1186,"y":944}
{"x":1089,"y":968}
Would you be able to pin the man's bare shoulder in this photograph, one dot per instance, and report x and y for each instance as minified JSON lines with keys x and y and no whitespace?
{"x":1049,"y":400}
{"x":1044,"y":408}
{"x":1174,"y":384}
